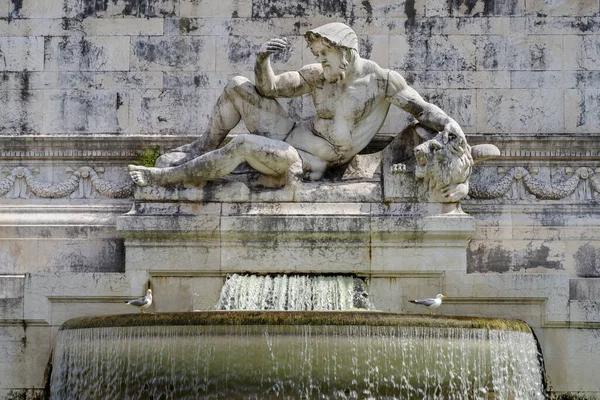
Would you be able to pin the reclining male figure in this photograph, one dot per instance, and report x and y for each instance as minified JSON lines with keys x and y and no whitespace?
{"x":351,"y":96}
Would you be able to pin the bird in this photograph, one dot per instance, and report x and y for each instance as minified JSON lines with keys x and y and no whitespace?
{"x":430,"y":303}
{"x":142,"y":302}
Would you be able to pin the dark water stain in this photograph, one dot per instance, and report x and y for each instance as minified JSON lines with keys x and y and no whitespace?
{"x":369,"y":9}
{"x":119,"y":101}
{"x":187,"y":25}
{"x":411,"y":15}
{"x":488,"y":259}
{"x":490,"y":7}
{"x":16,"y":12}
{"x":201,"y":80}
{"x":366,"y":47}
{"x":175,"y":52}
{"x":587,"y":261}
{"x":539,"y":258}
{"x":299,"y":8}
{"x":582,"y":109}
{"x":25,"y":95}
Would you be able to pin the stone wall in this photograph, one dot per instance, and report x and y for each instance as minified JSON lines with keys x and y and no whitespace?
{"x":85,"y":84}
{"x":152,"y":67}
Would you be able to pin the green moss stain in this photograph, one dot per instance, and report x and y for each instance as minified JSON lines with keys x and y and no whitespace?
{"x":358,"y":318}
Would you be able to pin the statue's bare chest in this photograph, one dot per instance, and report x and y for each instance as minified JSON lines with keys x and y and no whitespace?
{"x":351,"y":102}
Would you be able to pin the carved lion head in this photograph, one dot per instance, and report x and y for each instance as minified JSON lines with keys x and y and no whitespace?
{"x":444,"y":164}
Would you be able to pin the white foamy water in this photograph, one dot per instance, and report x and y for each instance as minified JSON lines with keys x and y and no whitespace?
{"x":293,"y":293}
{"x":294,"y":362}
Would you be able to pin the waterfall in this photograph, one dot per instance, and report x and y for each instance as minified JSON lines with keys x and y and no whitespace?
{"x":293,"y":293}
{"x":295,"y":362}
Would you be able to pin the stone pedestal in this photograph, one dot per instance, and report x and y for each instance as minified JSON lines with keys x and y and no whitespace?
{"x":187,"y":248}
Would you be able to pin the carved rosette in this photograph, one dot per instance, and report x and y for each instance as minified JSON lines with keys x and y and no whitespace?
{"x":84,"y":182}
{"x":517,"y":180}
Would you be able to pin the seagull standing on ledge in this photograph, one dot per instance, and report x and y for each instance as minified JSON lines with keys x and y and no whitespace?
{"x":142,"y":302}
{"x":430,"y":303}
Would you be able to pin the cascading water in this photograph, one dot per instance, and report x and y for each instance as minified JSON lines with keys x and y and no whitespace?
{"x":294,"y":354}
{"x":293,"y":293}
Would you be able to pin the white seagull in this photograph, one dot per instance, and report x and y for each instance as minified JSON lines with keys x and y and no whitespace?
{"x":430,"y":303}
{"x":142,"y":302}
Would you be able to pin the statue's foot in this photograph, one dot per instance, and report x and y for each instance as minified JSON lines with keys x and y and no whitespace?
{"x":142,"y":176}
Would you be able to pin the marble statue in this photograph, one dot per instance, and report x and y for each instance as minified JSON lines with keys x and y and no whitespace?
{"x":351,"y":95}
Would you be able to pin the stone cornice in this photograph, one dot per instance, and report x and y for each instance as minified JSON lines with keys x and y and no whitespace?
{"x":530,"y":148}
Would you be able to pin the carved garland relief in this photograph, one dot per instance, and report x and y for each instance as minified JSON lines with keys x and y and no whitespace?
{"x":84,"y":183}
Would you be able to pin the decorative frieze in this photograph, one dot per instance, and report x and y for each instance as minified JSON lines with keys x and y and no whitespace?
{"x":84,"y":183}
{"x":519,"y":183}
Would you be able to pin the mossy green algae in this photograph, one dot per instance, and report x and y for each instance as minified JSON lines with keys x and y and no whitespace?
{"x":336,"y":318}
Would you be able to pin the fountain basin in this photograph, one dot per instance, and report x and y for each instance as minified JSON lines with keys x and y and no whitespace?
{"x":295,"y":355}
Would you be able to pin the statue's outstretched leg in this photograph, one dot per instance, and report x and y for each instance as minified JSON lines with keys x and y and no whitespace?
{"x":268,"y":156}
{"x":239,"y":101}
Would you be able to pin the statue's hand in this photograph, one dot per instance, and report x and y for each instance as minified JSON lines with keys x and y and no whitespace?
{"x":272,"y":46}
{"x":398,"y":168}
{"x":452,"y":127}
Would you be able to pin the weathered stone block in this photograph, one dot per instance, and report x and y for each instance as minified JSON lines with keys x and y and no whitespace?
{"x":35,"y":27}
{"x":392,"y":291}
{"x":463,"y":8}
{"x":563,"y":7}
{"x":36,"y":9}
{"x":536,"y":79}
{"x":85,"y":111}
{"x":459,"y":104}
{"x":458,"y":79}
{"x":582,"y":79}
{"x":586,"y":262}
{"x":534,"y":52}
{"x":373,"y":26}
{"x":184,"y":111}
{"x":438,"y":52}
{"x":520,"y":111}
{"x":123,"y":26}
{"x":87,"y":53}
{"x":217,"y":26}
{"x":582,"y":112}
{"x":128,"y":80}
{"x":21,"y":53}
{"x":584,"y":289}
{"x":300,"y":8}
{"x":22,"y":109}
{"x":566,"y":347}
{"x":581,"y":53}
{"x":225,"y":8}
{"x":197,"y":79}
{"x":118,"y":8}
{"x":24,"y":354}
{"x":375,"y":9}
{"x":173,"y":294}
{"x":375,"y":48}
{"x":167,"y":53}
{"x":236,"y":53}
{"x":542,"y":25}
{"x":181,"y":256}
{"x":31,"y":256}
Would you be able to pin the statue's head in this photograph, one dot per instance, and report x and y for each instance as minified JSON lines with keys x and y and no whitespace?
{"x":335,"y":34}
{"x":336,"y":47}
{"x":443,"y":163}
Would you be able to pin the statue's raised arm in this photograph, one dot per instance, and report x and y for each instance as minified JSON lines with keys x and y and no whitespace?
{"x":287,"y":84}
